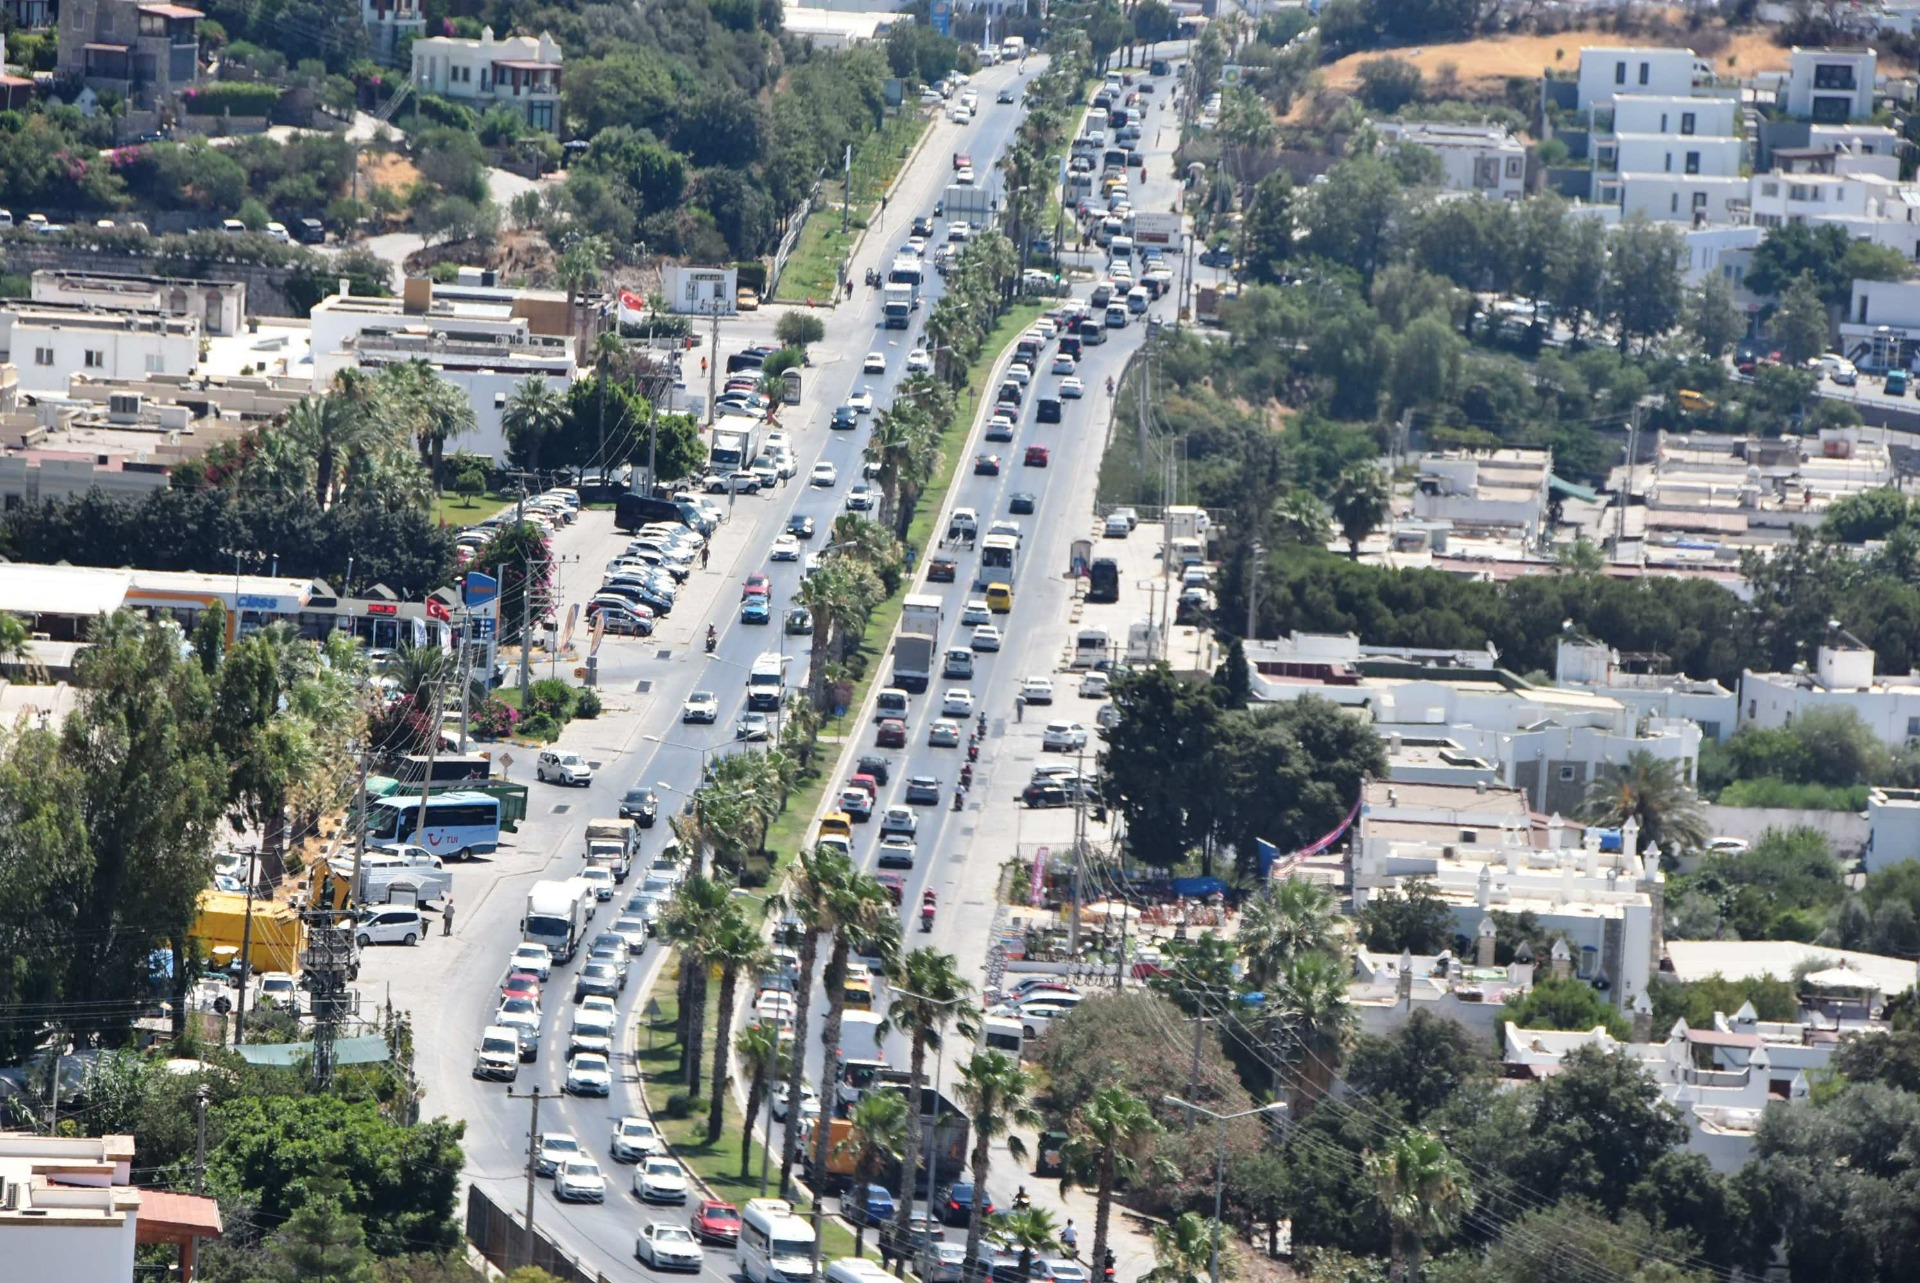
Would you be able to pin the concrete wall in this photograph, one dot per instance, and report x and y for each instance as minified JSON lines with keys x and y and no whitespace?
{"x":266,"y":286}
{"x":1847,"y":830}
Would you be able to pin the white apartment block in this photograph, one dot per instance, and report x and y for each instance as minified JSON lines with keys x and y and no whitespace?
{"x":520,"y":72}
{"x":1501,"y":491}
{"x":1474,"y":158}
{"x":1483,"y":852}
{"x":1685,"y":116}
{"x":1842,"y":678}
{"x":1711,"y":157}
{"x":1830,"y":85}
{"x":1882,"y":323}
{"x":50,"y":342}
{"x":1581,"y":663}
{"x":69,"y":1211}
{"x":1608,"y":73}
{"x":1697,"y":199}
{"x":220,"y":305}
{"x":1893,"y":827}
{"x":486,"y":349}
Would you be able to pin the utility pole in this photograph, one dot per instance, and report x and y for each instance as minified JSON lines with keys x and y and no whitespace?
{"x":1079,"y":850}
{"x":713,"y":373}
{"x":466,"y":677}
{"x":533,"y":1157}
{"x":1253,"y":584}
{"x":246,"y":952}
{"x":846,"y":192}
{"x":1626,"y":487}
{"x":526,"y":628}
{"x":433,"y":751}
{"x":325,"y":963}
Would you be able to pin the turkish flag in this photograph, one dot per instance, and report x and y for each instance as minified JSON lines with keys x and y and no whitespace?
{"x":436,"y":610}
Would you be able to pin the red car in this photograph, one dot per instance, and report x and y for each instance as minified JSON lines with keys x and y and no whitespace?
{"x":895,"y":884}
{"x":1036,"y":456}
{"x":522,"y":984}
{"x":892,"y":734}
{"x":757,"y":586}
{"x":716,"y":1222}
{"x":942,"y":570}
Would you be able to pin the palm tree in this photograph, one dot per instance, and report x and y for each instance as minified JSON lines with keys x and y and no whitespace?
{"x":877,"y":1129}
{"x":1031,"y":1229}
{"x":1311,"y":1018}
{"x":417,"y":670}
{"x":839,"y":594}
{"x":1106,"y":1139}
{"x":806,"y":900}
{"x":996,"y":1091}
{"x":763,"y":1057}
{"x":1650,"y":790}
{"x":737,"y":949}
{"x":328,"y":430}
{"x":439,"y":412}
{"x":691,"y":924}
{"x":533,"y":413}
{"x":927,"y":993}
{"x":1423,"y":1190}
{"x":1183,"y":1251}
{"x":1359,"y":503}
{"x":580,"y":266}
{"x":1289,"y":918}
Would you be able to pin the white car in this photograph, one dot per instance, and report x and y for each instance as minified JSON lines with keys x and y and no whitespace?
{"x":809,"y":1101}
{"x":578,"y":1180}
{"x":563,"y":768}
{"x":1071,"y":389}
{"x":1063,"y":737}
{"x":555,"y":1148}
{"x":918,"y":361}
{"x":862,"y":497}
{"x":1020,"y":373}
{"x":976,"y":612}
{"x":701,"y":706}
{"x":862,"y":401}
{"x":985,"y":637}
{"x":785,"y":548}
{"x":824,"y":474}
{"x":660,"y":1180}
{"x":876,"y":363}
{"x":1094,"y":686}
{"x":669,"y":1247}
{"x":1037,"y":690}
{"x":536,"y":958}
{"x":634,"y":1139}
{"x":775,"y":1007}
{"x":596,"y":1002}
{"x":1063,"y":364}
{"x":957,"y":703}
{"x":899,"y":819}
{"x":589,"y":1075}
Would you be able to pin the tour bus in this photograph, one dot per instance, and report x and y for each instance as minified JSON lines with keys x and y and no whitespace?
{"x":459,"y":824}
{"x":775,"y":1245}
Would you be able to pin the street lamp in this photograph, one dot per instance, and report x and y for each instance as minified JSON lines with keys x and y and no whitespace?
{"x":927,"y":1145}
{"x":1220,"y":1163}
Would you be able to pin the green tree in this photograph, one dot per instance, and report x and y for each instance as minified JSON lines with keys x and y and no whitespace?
{"x":1416,"y":920}
{"x":46,"y":872}
{"x":1310,"y":1022}
{"x":1267,"y":231}
{"x":1799,"y":326}
{"x":1643,"y":279}
{"x":1351,"y":215}
{"x":736,"y":948}
{"x":1595,"y":1130}
{"x":1714,"y":319}
{"x":1422,"y":1064}
{"x":1104,"y":1146}
{"x":1423,"y":1189}
{"x":534,"y":412}
{"x":322,"y":1243}
{"x":995,"y":1090}
{"x":1388,"y":84}
{"x":1029,"y":1230}
{"x":1865,"y":515}
{"x":1652,"y":792}
{"x":326,"y":431}
{"x":1576,"y":273}
{"x":1571,"y":1004}
{"x":1359,"y":504}
{"x":1184,"y":1251}
{"x":798,"y":329}
{"x":701,"y":910}
{"x":1290,"y":917}
{"x":926,"y":994}
{"x":1426,"y":364}
{"x":877,"y":1129}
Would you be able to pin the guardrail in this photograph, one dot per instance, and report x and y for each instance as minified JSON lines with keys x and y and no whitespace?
{"x":502,"y":1238}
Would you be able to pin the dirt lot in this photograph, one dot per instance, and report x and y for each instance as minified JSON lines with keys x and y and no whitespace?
{"x":1481,"y":64}
{"x":388,"y":169}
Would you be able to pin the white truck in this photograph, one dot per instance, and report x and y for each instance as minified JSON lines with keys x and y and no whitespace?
{"x":557,"y":916}
{"x":407,"y":876}
{"x":919,"y":641}
{"x":862,"y":1059}
{"x":896,"y":302}
{"x":613,"y":843}
{"x":733,"y":448}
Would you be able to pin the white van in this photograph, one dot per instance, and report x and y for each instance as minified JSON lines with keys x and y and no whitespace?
{"x":1091,"y":646}
{"x":1003,"y":1034}
{"x":857,"y":1269}
{"x":1120,"y":246}
{"x":775,"y":1245}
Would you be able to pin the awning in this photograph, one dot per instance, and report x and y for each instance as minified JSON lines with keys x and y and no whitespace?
{"x":171,"y":11}
{"x":369,"y":1049}
{"x":1842,"y":978}
{"x":167,"y":1217}
{"x":1572,"y":489}
{"x":104,"y":47}
{"x":82,"y":591}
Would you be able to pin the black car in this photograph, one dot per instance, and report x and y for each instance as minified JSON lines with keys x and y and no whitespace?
{"x":878,"y":767}
{"x":800,"y":526}
{"x":955,"y":1203}
{"x":923,"y":226}
{"x":641,"y":806}
{"x":1047,"y":410}
{"x":1216,"y":256}
{"x":986,"y":465}
{"x":1020,"y":503}
{"x":1044,"y":796}
{"x":799,"y":622}
{"x":845,"y":418}
{"x":923,"y":790}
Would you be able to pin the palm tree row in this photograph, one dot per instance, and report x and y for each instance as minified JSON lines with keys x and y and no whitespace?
{"x":711,"y":928}
{"x":738,"y":799}
{"x":377,"y":439}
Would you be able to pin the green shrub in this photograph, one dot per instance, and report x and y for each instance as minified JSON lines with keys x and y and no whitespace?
{"x":231,"y":97}
{"x":1775,"y":792}
{"x":552,"y":697}
{"x":539,"y":726}
{"x":451,"y":114}
{"x":587,"y":706}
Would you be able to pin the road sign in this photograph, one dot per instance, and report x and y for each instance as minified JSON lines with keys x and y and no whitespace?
{"x":506,"y":760}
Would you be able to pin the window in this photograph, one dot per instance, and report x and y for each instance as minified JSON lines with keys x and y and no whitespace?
{"x":1710,"y":730}
{"x":1619,"y":68}
{"x":1667,"y":164}
{"x":1693,"y":162}
{"x":1686,"y":122}
{"x":1663,"y":122}
{"x":95,"y":359}
{"x":1516,"y":167}
{"x":1913,"y":728}
{"x":1673,"y":203}
{"x":1769,"y":189}
{"x":1567,"y":775}
{"x":1643,"y":73}
{"x":1833,"y":76}
{"x":156,"y":364}
{"x":43,"y":356}
{"x":1699,"y":200}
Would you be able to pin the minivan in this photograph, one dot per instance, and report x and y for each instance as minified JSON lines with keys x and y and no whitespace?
{"x":1116,"y":316}
{"x":1047,"y":410}
{"x":999,"y":598}
{"x":890,"y":702}
{"x":498,"y":1056}
{"x":959,"y":664}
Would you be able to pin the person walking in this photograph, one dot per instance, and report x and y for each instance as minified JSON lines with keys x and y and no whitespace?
{"x":1020,"y":707}
{"x":446,"y":916}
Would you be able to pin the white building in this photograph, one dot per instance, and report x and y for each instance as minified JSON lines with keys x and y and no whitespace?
{"x":70,"y":1211}
{"x":1663,"y":153}
{"x":485,"y":348}
{"x":1607,"y":73}
{"x":1584,"y":664}
{"x":1483,"y":851}
{"x":388,"y":22}
{"x":1830,"y":84}
{"x":1842,"y":678}
{"x":1893,"y":827}
{"x":1882,"y":323}
{"x":1682,"y":116}
{"x":51,"y":342}
{"x":699,"y":291}
{"x":220,"y":305}
{"x":521,"y":73}
{"x":1503,"y":491}
{"x":1473,"y":158}
{"x":1697,"y":199}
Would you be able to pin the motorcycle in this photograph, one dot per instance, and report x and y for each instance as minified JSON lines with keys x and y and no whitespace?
{"x":960,"y":798}
{"x":926,"y":919}
{"x":713,"y":640}
{"x":966,"y":777}
{"x":982,"y":733}
{"x":973,"y":752}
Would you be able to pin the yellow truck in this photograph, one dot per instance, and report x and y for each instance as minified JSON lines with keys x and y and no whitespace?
{"x":275,"y":943}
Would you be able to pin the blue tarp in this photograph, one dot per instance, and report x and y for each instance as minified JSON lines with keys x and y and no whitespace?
{"x":369,"y":1049}
{"x":1198,"y":888}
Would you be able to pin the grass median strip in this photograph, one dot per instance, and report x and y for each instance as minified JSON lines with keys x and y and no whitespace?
{"x":813,"y":269}
{"x":658,"y":1058}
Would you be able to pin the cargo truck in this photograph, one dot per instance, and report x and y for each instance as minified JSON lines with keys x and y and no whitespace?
{"x":733,"y":447}
{"x":557,"y":916}
{"x":919,"y":640}
{"x":613,"y":843}
{"x":971,"y":205}
{"x":944,"y":1132}
{"x":897,"y":305}
{"x":274,"y":944}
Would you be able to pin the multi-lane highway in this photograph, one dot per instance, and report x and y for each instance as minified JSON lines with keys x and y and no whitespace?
{"x":451,"y":985}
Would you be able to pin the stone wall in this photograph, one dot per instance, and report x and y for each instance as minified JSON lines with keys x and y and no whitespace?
{"x":266,"y":286}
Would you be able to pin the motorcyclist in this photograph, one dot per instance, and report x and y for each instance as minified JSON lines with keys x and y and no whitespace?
{"x":1021,"y":1200}
{"x":966,"y":775}
{"x":983,"y":724}
{"x":960,"y":797}
{"x":713,"y":637}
